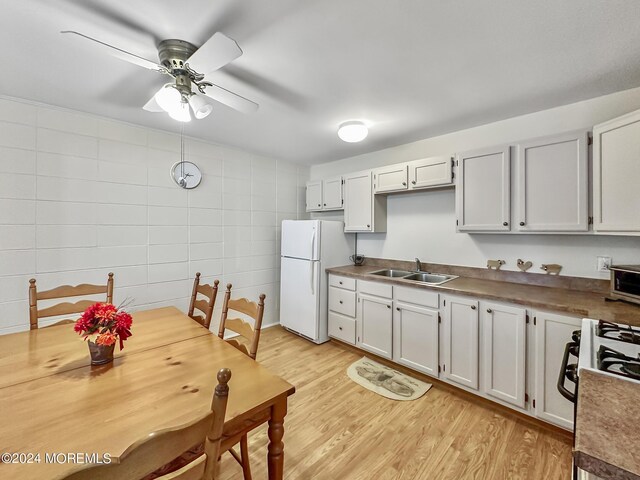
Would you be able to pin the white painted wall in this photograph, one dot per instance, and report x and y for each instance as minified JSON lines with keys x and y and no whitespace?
{"x":423,"y":224}
{"x":82,"y":195}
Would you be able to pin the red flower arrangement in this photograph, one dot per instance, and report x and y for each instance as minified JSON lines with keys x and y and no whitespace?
{"x":105,"y":321}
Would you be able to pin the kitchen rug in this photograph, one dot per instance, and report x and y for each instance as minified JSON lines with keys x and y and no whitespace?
{"x":386,"y":381}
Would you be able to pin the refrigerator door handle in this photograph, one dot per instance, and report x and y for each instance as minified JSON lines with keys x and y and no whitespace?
{"x":312,"y":267}
{"x":313,"y":240}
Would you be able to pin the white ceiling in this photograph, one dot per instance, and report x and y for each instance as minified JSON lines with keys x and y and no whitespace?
{"x":412,"y":68}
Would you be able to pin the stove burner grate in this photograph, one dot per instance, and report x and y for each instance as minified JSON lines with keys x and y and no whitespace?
{"x":612,"y":361}
{"x":622,"y":333}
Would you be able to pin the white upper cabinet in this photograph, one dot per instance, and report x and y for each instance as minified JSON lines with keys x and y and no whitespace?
{"x":504,"y":352}
{"x":616,"y":175}
{"x":363,"y":212}
{"x":314,"y":196}
{"x":324,"y":194}
{"x":332,"y":193}
{"x":431,"y":172}
{"x":552,"y":185}
{"x":390,"y":179}
{"x":461,"y":336}
{"x":483,"y":200}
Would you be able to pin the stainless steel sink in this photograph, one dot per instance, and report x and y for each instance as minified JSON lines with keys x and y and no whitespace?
{"x":391,"y":273}
{"x":430,"y":278}
{"x":422,"y":277}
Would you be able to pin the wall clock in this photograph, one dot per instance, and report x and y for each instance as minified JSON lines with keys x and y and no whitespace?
{"x":186,"y":174}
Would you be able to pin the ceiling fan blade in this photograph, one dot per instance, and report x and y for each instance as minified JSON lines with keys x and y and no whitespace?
{"x":230,"y":99}
{"x":152,"y":105}
{"x":215,"y":53}
{"x":119,"y":53}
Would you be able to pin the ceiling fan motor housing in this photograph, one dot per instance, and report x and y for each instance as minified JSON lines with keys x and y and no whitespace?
{"x":173,"y":55}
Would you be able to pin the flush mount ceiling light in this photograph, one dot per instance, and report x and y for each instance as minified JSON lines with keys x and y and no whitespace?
{"x":353,"y":131}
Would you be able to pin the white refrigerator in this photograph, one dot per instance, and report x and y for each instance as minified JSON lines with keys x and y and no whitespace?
{"x":309,"y":247}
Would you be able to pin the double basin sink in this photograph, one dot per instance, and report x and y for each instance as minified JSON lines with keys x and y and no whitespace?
{"x":419,"y":277}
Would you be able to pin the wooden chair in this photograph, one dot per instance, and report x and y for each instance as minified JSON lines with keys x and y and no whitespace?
{"x":250,"y":333}
{"x":65,"y":308}
{"x":206,"y":307}
{"x":151,"y":453}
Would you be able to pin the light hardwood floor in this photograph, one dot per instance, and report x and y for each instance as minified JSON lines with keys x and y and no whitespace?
{"x":336,"y":430}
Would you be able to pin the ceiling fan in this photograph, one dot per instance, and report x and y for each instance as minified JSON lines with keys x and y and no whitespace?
{"x":189,"y":91}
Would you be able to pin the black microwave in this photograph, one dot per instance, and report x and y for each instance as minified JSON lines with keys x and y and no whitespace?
{"x":625,"y":282}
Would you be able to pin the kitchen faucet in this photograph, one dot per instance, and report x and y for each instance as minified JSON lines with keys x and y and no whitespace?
{"x":418,"y":265}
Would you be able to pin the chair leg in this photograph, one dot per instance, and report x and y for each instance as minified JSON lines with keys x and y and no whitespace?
{"x":244,"y":454}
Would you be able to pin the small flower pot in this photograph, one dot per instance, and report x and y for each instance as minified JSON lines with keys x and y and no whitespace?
{"x":101,"y":354}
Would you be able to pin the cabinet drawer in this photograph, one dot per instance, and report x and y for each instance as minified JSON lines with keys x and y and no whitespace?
{"x":342,"y":301}
{"x":417,"y":296}
{"x":374,"y":288}
{"x":342,"y":328}
{"x":342,"y":282}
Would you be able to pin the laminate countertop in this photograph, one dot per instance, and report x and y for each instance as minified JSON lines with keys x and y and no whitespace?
{"x":607,"y":439}
{"x":580,"y":303}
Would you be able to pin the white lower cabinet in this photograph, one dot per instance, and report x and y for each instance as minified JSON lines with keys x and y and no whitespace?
{"x":375,"y":320}
{"x":415,"y":337}
{"x":461,"y":341}
{"x":553,"y":332}
{"x":504,"y":352}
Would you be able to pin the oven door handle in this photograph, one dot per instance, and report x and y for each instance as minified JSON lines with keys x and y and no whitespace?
{"x":566,"y":393}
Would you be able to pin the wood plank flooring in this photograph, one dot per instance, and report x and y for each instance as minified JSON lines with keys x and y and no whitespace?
{"x":336,"y":430}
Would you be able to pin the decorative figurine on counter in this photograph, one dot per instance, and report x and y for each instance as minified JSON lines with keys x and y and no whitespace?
{"x":524,"y":266}
{"x":551,"y":268}
{"x":495,"y":264}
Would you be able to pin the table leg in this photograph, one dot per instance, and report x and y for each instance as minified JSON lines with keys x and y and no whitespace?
{"x":275,"y":457}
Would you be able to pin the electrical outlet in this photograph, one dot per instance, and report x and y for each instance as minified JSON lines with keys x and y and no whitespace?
{"x":603,"y":264}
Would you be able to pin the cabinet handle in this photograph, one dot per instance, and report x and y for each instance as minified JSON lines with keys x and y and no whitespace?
{"x":473,"y":307}
{"x":505,"y":224}
{"x":340,"y":302}
{"x":398,"y":308}
{"x":368,"y":226}
{"x":413,"y":182}
{"x":522,"y":224}
{"x":388,"y":306}
{"x":489,"y":310}
{"x":339,"y":328}
{"x":325,"y":204}
{"x":404,"y":184}
{"x":319,"y":205}
{"x":340,"y":283}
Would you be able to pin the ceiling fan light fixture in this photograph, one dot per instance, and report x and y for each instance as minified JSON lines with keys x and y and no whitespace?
{"x":168,"y":98}
{"x":200,"y":106}
{"x":181,"y":112}
{"x":352,"y":131}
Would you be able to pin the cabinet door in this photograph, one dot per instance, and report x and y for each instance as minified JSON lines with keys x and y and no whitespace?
{"x":553,"y":332}
{"x":483,"y":199}
{"x":332,"y":193}
{"x":430,"y":172}
{"x":504,"y":352}
{"x":390,"y":179}
{"x":461,"y":341}
{"x":358,"y":205}
{"x":553,"y":184}
{"x":616,"y":174}
{"x":314,"y":196}
{"x":375,"y":325}
{"x":415,"y":335}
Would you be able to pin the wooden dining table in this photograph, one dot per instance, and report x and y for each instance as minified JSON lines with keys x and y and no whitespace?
{"x":56,"y":407}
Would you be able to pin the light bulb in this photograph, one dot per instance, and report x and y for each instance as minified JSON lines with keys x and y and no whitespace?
{"x":181,"y":112}
{"x":168,"y":98}
{"x":353,"y":131}
{"x":201,"y":108}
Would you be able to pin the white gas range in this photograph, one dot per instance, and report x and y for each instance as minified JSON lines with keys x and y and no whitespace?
{"x":609,"y":348}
